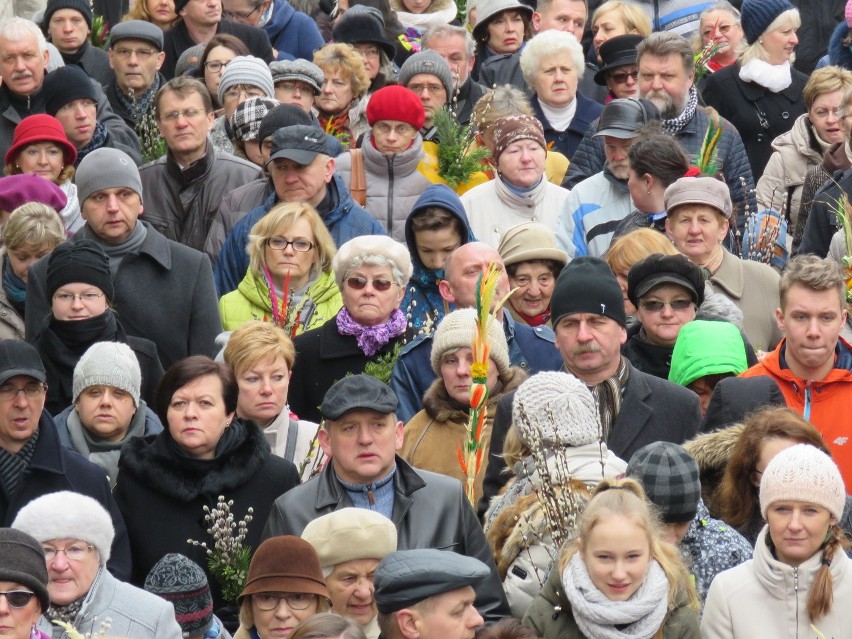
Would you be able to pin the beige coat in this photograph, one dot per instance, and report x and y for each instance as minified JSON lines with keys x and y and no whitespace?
{"x":11,"y":323}
{"x":753,"y":287}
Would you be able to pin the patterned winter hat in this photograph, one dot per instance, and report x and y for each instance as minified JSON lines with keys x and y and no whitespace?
{"x":803,"y":473}
{"x":513,"y":128}
{"x":180,"y":581}
{"x":670,"y":478}
{"x":248,"y":116}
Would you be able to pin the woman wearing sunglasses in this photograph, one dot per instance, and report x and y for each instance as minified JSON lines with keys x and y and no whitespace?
{"x":289,"y":280}
{"x":371,"y":272}
{"x":23,"y":585}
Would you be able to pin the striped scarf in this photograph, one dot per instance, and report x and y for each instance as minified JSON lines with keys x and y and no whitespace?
{"x":609,"y":394}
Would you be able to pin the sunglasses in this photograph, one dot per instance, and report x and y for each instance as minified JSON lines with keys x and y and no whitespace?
{"x":655,"y":306}
{"x":17,"y":598}
{"x":359,"y":283}
{"x":620,"y":77}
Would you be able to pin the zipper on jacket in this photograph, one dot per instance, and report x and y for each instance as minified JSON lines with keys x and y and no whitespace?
{"x":796,"y":592}
{"x":806,"y":413}
{"x":389,"y":159}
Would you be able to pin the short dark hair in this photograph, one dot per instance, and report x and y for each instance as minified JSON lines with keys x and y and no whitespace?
{"x":658,"y":154}
{"x":184,"y":86}
{"x":187,"y":370}
{"x":433,"y":218}
{"x":552,"y":265}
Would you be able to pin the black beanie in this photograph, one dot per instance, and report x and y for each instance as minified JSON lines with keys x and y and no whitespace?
{"x":65,"y":85}
{"x":79,"y":261}
{"x":78,"y":5}
{"x":179,"y":5}
{"x":281,"y":116}
{"x":587,"y":285}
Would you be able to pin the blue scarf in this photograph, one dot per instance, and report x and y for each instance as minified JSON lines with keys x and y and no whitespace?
{"x":15,"y":287}
{"x":98,"y":140}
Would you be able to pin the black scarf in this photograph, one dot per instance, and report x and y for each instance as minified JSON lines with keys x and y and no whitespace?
{"x":98,"y":140}
{"x":13,"y":465}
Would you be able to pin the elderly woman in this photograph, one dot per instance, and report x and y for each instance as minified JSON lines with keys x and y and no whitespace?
{"x":297,"y":82}
{"x":108,"y":409}
{"x":698,"y":218}
{"x":203,"y":453}
{"x":159,"y":12}
{"x":40,"y":147}
{"x":275,"y":600}
{"x":803,"y":146}
{"x":340,"y":105}
{"x":218,"y":53}
{"x":23,"y":578}
{"x":502,"y":27}
{"x":615,"y":18}
{"x":245,"y":77}
{"x":361,"y":27}
{"x":33,"y":231}
{"x":720,"y":24}
{"x":519,"y":192}
{"x":761,"y":95}
{"x":290,"y":280}
{"x":552,"y":64}
{"x":261,"y":357}
{"x":533,"y":263}
{"x":76,"y":534}
{"x":371,"y":272}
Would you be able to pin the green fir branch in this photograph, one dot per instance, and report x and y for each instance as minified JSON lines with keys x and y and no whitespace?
{"x":457,"y":159}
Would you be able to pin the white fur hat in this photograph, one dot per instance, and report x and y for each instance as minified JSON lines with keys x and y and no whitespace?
{"x":68,"y":515}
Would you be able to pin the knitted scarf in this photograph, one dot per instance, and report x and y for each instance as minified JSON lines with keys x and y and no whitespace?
{"x":15,"y":287}
{"x":116,"y":252}
{"x":98,"y":140}
{"x":608,"y":395}
{"x":371,"y":339}
{"x":13,"y":465}
{"x":676,"y":124}
{"x":598,"y":617}
{"x":137,"y":105}
{"x":67,"y":613}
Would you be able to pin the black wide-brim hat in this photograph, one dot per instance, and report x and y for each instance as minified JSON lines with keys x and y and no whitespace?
{"x":617,"y":52}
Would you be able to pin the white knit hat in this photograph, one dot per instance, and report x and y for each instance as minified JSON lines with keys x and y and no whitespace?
{"x":246,"y":69}
{"x":803,"y":473}
{"x":559,"y":408}
{"x":108,"y":364}
{"x":350,"y":533}
{"x":371,"y":245}
{"x":68,"y":515}
{"x":457,"y":330}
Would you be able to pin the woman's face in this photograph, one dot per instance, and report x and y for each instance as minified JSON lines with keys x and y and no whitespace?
{"x":70,"y":578}
{"x":288,"y":260}
{"x":22,"y":258}
{"x":106,"y":412}
{"x":617,"y":553}
{"x":663,"y":323}
{"x":372,"y":58}
{"x":363,"y":298}
{"x":824,"y":115}
{"x":696,"y":231}
{"x":416,"y":6}
{"x":42,"y":158}
{"x":522,"y":163}
{"x":78,"y":301}
{"x":197,"y":416}
{"x":721,"y":27}
{"x":506,"y":32}
{"x":279,"y":622}
{"x":336,"y":94}
{"x":17,"y":623}
{"x":162,"y":12}
{"x":780,"y":44}
{"x":798,"y":529}
{"x":214,"y":67}
{"x":455,"y":373}
{"x":535,"y":282}
{"x":556,"y":80}
{"x":608,"y":25}
{"x":263,"y":390}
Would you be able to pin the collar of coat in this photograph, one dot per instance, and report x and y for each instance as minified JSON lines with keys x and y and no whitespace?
{"x":440,"y":406}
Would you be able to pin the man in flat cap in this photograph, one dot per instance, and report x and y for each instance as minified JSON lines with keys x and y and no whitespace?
{"x":361,"y":434}
{"x":428,"y":594}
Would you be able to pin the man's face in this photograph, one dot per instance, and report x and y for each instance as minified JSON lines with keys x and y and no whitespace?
{"x":462,"y":273}
{"x":350,"y":585}
{"x":184,"y":123}
{"x":450,"y":615}
{"x":68,"y":30}
{"x":244,"y":11}
{"x":563,"y":15}
{"x":135,"y":64}
{"x":454,"y":50}
{"x":111,"y":214}
{"x":296,"y":182}
{"x":811,"y":321}
{"x":362,"y":445}
{"x":615,"y":150}
{"x":202,"y":13}
{"x":590,"y":345}
{"x":664,"y":81}
{"x":431,"y":92}
{"x":19,"y":413}
{"x":22,"y":65}
{"x":79,"y":119}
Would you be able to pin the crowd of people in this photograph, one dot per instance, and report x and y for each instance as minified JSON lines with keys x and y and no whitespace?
{"x":425,"y":319}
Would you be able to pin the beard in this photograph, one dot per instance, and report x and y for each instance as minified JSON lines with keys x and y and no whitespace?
{"x":666,"y":104}
{"x":620,"y":170}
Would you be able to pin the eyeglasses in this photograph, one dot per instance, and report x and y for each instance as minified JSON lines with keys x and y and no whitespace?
{"x":74,"y":552}
{"x":142,"y":54}
{"x":17,"y":598}
{"x":271,"y":600}
{"x":280,"y":244}
{"x":824,"y":113}
{"x":240,"y":15}
{"x":86,"y":298}
{"x":655,"y":306}
{"x":431,"y":89}
{"x":235,"y":92}
{"x":620,"y":77}
{"x":33,"y":390}
{"x":214,"y":66}
{"x":371,"y":53}
{"x":292,"y":85}
{"x":359,"y":283}
{"x":174,"y":116}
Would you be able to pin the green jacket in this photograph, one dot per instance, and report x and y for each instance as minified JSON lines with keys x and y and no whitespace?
{"x":550,"y":615}
{"x":251,"y":302}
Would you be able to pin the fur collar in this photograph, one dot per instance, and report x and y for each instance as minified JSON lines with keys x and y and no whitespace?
{"x":151,"y":462}
{"x":712,"y":452}
{"x":440,"y":407}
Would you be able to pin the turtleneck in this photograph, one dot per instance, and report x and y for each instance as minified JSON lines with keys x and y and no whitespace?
{"x":74,"y":58}
{"x":560,"y":118}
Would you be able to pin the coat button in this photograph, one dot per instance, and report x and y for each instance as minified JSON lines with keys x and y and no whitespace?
{"x":760,"y":137}
{"x":785,"y":115}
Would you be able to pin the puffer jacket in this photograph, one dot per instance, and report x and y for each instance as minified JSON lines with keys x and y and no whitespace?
{"x":251,"y":301}
{"x":794,"y":152}
{"x":826,"y":403}
{"x":765,"y":597}
{"x":393,"y":183}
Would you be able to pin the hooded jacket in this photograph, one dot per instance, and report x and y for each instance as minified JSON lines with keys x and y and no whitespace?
{"x":293,"y":34}
{"x":838,"y":54}
{"x":826,"y":403}
{"x":422,"y":299}
{"x":251,"y":301}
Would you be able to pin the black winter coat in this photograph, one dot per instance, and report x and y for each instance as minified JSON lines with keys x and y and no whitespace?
{"x":822,"y":221}
{"x":162,"y":492}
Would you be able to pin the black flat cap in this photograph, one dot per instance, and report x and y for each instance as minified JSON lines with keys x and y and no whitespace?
{"x":137,"y":30}
{"x":624,"y":117}
{"x":407,"y":577}
{"x":617,"y":52}
{"x":658,"y":269}
{"x":358,"y":391}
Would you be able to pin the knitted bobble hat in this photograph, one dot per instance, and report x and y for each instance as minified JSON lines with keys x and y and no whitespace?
{"x":803,"y":473}
{"x":246,"y":69}
{"x":108,"y":364}
{"x":558,"y":408}
{"x":179,"y":580}
{"x":757,"y":15}
{"x":456,"y":331}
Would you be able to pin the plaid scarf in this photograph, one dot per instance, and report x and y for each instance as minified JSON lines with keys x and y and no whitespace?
{"x":138,"y":105}
{"x":676,"y":124}
{"x":98,"y":140}
{"x":609,"y":394}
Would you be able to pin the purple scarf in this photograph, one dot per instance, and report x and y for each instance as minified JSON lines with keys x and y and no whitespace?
{"x":371,"y":339}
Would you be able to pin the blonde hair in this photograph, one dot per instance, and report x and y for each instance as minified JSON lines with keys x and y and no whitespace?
{"x":826,"y":80}
{"x":636,"y":246}
{"x":635,"y":20}
{"x":31,"y":226}
{"x":345,"y":59}
{"x":755,"y":50}
{"x":257,"y":341}
{"x":813,"y":273}
{"x":286,"y":214}
{"x":139,"y":11}
{"x":514,"y":448}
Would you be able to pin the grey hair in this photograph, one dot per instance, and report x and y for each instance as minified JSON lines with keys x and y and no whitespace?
{"x":755,"y":50}
{"x":720,"y":5}
{"x":16,"y":29}
{"x":550,"y":42}
{"x":446,"y":30}
{"x":377,"y":260}
{"x":716,"y":307}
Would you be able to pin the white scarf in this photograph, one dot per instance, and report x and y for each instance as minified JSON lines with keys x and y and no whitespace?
{"x":775,"y":77}
{"x":560,"y":118}
{"x":597,"y":616}
{"x":422,"y":21}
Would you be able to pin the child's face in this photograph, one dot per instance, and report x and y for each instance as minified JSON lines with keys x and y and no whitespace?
{"x":434,"y":247}
{"x":416,"y":6}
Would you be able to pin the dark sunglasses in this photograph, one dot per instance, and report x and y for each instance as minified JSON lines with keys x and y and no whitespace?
{"x":358,"y":283}
{"x":18,"y":598}
{"x":655,"y":306}
{"x":620,"y":77}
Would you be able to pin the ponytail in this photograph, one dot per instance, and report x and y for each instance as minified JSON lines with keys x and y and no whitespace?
{"x":821,"y":595}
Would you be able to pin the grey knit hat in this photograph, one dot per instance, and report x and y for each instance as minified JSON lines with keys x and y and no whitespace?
{"x":187,"y":63}
{"x":248,"y":116}
{"x":427,"y":62}
{"x":456,"y":331}
{"x":179,"y":580}
{"x":297,"y":69}
{"x":246,"y":69}
{"x":556,"y":408}
{"x":670,"y":478}
{"x":23,"y":563}
{"x":106,"y":168}
{"x":108,"y":364}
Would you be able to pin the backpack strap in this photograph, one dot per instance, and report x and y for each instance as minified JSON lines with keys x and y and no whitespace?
{"x":358,"y":177}
{"x":292,"y":436}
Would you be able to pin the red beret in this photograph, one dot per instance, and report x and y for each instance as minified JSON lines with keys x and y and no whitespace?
{"x":396,"y":103}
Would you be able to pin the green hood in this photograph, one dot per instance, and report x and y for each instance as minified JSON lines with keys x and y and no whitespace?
{"x":707,"y":348}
